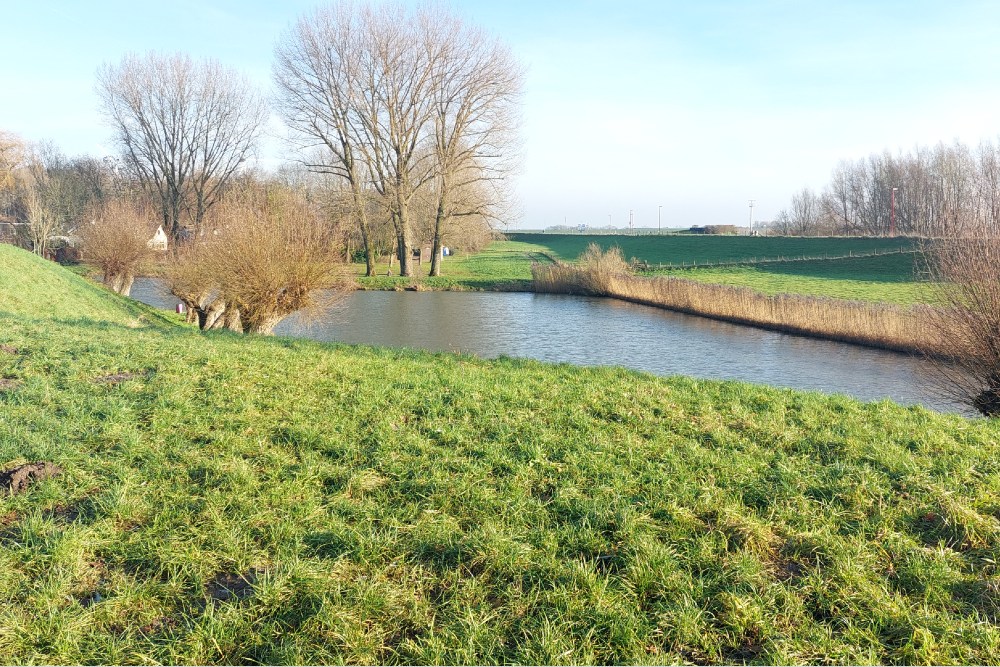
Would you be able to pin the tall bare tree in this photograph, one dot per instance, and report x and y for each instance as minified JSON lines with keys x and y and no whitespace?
{"x":476,"y":87}
{"x":318,"y":74}
{"x":12,"y":153}
{"x":184,"y":126}
{"x":390,"y":95}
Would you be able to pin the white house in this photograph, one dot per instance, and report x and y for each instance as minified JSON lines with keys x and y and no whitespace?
{"x":159,"y":240}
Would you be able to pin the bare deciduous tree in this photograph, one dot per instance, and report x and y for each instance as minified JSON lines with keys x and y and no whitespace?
{"x":944,"y":190}
{"x":184,"y":126}
{"x":41,"y":224}
{"x":318,"y":74}
{"x":966,"y":273}
{"x":274,"y":254}
{"x":12,"y":153}
{"x":399,"y":102}
{"x":116,"y":240}
{"x":805,"y":211}
{"x":476,"y":87}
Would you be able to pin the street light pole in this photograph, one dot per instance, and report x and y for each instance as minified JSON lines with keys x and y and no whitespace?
{"x":631,"y":228}
{"x":752,"y":201}
{"x":659,"y":213}
{"x":892,"y":215}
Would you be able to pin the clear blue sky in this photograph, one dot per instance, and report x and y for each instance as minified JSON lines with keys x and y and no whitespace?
{"x":695,"y":106}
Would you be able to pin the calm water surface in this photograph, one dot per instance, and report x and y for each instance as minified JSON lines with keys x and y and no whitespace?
{"x":592,"y":331}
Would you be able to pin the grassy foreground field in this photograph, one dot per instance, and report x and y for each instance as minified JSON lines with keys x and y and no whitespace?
{"x":237,"y":500}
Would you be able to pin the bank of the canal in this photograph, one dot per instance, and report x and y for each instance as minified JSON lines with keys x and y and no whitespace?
{"x":230,"y":499}
{"x":594,"y":331}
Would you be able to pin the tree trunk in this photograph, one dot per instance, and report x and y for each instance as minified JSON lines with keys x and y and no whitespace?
{"x":369,"y":249}
{"x":231,"y":319}
{"x":214,"y":314}
{"x":120,"y":284}
{"x":404,"y":241}
{"x":438,"y":224}
{"x":263,"y":325}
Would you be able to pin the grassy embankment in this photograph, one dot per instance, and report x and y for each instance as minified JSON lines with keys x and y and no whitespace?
{"x":231,"y":500}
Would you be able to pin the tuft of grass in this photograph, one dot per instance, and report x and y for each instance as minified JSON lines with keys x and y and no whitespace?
{"x":265,"y":500}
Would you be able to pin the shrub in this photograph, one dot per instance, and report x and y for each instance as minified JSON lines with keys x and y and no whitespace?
{"x":116,"y":240}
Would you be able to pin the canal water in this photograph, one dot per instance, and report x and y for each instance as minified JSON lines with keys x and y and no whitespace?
{"x":591,"y":331}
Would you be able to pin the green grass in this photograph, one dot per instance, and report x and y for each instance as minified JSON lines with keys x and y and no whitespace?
{"x":503,"y":265}
{"x":889,"y":278}
{"x":678,"y":248}
{"x":406,"y":507}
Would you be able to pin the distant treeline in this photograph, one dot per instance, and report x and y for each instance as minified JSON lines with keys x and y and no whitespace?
{"x":945,"y":190}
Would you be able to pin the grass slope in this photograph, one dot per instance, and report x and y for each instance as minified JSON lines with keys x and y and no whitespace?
{"x":33,"y":287}
{"x":239,"y":500}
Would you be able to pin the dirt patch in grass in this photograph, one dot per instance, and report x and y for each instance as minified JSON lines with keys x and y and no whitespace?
{"x":115,"y":378}
{"x":8,"y":349}
{"x":9,"y":384}
{"x":227,"y":586}
{"x":17,"y":480}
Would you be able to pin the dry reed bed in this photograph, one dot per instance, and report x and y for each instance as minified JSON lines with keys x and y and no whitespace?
{"x":875,"y":325}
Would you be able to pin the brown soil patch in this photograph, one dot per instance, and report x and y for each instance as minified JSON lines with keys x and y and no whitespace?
{"x":227,"y":586}
{"x":115,"y":378}
{"x":7,"y":384}
{"x":17,"y":480}
{"x":159,"y":625}
{"x":8,"y":349}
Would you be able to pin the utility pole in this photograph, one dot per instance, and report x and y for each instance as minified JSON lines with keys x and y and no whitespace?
{"x":631,"y":228}
{"x":752,"y":202}
{"x":892,"y":216}
{"x":659,"y":214}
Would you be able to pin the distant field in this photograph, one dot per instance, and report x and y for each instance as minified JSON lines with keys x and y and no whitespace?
{"x":677,"y":248}
{"x":889,"y":278}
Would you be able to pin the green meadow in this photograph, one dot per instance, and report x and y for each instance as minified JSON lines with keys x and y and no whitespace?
{"x":836,"y":267}
{"x":702,"y":249}
{"x":891,"y":278}
{"x":227,"y":499}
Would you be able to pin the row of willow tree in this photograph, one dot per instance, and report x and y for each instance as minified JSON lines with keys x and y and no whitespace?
{"x":402,"y":124}
{"x":403,"y":129}
{"x":408,"y":118}
{"x":941,"y":191}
